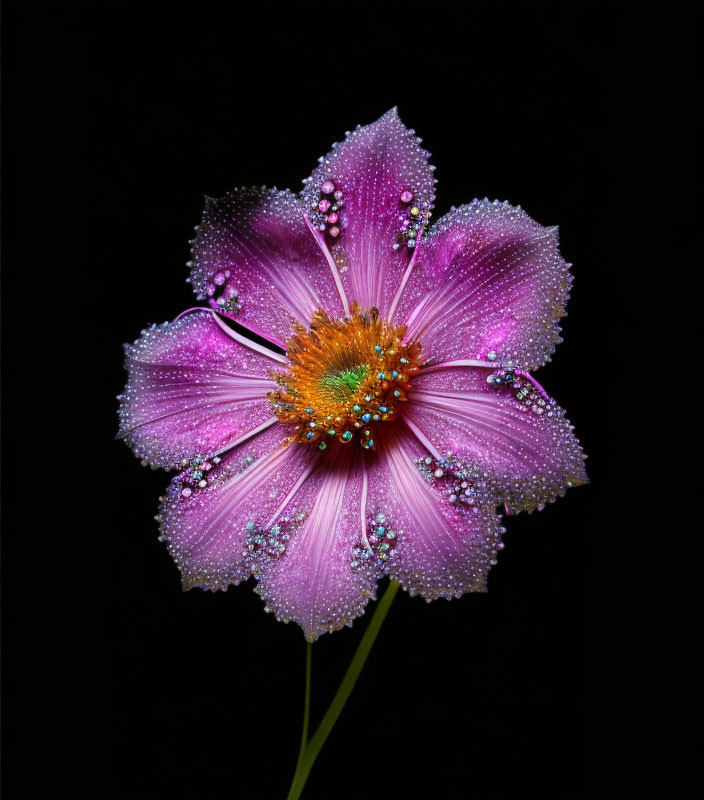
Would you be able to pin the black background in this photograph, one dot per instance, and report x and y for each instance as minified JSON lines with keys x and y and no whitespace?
{"x":574,"y":677}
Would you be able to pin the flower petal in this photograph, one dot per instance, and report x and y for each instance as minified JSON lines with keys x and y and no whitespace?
{"x":489,"y":278}
{"x":524,"y":452}
{"x":192,"y":391}
{"x":254,"y":245}
{"x":372,"y":167}
{"x":314,"y":584}
{"x":206,"y":529}
{"x":443,"y":550}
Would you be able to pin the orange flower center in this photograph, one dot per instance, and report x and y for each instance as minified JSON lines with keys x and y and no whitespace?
{"x":346,"y":376}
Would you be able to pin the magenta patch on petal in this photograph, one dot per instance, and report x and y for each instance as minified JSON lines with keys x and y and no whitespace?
{"x":191,"y":391}
{"x":255,"y":260}
{"x":372,"y":169}
{"x":518,"y":446}
{"x":489,"y":278}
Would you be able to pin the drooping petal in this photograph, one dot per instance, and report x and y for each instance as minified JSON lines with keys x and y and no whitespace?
{"x":192,"y":391}
{"x":372,"y":168}
{"x":207,"y":529}
{"x":314,"y":583}
{"x":255,"y":260}
{"x":517,"y":446}
{"x":443,"y":550}
{"x":488,"y":278}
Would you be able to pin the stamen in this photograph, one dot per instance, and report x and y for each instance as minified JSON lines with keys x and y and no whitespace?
{"x":345,"y":376}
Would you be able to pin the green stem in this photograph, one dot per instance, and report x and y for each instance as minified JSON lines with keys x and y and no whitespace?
{"x":310,"y":749}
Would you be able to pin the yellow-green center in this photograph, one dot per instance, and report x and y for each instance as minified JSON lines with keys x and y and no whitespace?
{"x":339,"y":386}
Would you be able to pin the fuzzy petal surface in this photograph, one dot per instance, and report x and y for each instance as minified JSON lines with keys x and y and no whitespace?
{"x":372,"y":167}
{"x":206,"y":530}
{"x":488,"y":278}
{"x":255,"y":245}
{"x":443,"y":550}
{"x":191,"y":391}
{"x":522,"y":454}
{"x":313,"y":584}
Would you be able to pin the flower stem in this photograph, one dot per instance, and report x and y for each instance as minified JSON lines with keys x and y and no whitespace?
{"x":310,"y":748}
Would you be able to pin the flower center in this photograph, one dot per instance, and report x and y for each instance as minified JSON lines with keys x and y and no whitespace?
{"x":341,"y":385}
{"x":345,"y":377}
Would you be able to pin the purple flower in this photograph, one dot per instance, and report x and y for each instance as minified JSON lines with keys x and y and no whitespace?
{"x":404,"y":413}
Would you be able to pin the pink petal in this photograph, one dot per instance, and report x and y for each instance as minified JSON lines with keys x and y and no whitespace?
{"x":443,"y":550}
{"x":488,"y":278}
{"x":206,"y":529}
{"x":524,"y":453}
{"x":314,"y":583}
{"x":372,"y":167}
{"x":254,"y":244}
{"x":192,"y":391}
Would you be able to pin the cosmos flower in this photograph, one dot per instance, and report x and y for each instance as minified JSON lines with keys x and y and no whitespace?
{"x":391,"y":414}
